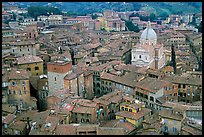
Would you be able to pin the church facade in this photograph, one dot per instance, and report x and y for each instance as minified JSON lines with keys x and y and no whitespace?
{"x":148,"y":53}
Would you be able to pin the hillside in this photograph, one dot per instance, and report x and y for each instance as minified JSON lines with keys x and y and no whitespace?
{"x":159,"y":8}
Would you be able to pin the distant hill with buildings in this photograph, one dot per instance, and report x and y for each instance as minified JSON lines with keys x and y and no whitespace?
{"x":159,"y":8}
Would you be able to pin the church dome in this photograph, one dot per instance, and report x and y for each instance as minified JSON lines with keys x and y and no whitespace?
{"x":148,"y":35}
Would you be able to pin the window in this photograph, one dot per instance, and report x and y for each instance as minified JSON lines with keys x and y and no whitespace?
{"x":23,"y":83}
{"x":55,"y":79}
{"x":167,"y":88}
{"x":140,"y":56}
{"x":37,"y":68}
{"x":151,"y":98}
{"x":126,"y":109}
{"x":29,"y":69}
{"x":13,"y":83}
{"x":13,"y":50}
{"x":130,"y":110}
{"x":20,"y":49}
{"x":166,"y":121}
{"x":122,"y":108}
{"x":184,"y":86}
{"x":179,"y":86}
{"x":14,"y":92}
{"x":9,"y":92}
{"x":20,"y":92}
{"x":174,"y":130}
{"x":24,"y":91}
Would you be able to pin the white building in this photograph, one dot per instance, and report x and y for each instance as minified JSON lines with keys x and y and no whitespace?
{"x":148,"y":53}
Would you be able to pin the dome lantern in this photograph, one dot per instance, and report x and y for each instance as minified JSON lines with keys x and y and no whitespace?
{"x":148,"y":35}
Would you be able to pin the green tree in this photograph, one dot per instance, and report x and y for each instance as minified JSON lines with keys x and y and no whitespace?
{"x":199,"y":27}
{"x":164,"y":15}
{"x":173,"y":58}
{"x":193,"y":21}
{"x":152,"y":17}
{"x":131,"y":26}
{"x":94,"y":16}
{"x":72,"y":55}
{"x":35,"y":11}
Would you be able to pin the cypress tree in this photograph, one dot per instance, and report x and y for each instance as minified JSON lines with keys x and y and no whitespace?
{"x":173,"y":58}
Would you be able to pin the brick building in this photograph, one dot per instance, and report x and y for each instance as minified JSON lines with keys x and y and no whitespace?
{"x":23,"y":48}
{"x":34,"y":64}
{"x":188,"y":88}
{"x":57,"y":70}
{"x":74,"y":82}
{"x":19,"y":88}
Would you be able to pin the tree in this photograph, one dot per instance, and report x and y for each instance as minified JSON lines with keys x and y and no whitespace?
{"x":35,"y":11}
{"x":164,"y":15}
{"x":173,"y":58}
{"x":199,"y":27}
{"x":152,"y":17}
{"x":131,"y":26}
{"x":194,"y":21}
{"x":144,"y":18}
{"x":72,"y":55}
{"x":94,"y":16}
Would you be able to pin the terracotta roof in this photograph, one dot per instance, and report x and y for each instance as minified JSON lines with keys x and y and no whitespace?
{"x":87,"y":127}
{"x":110,"y":131}
{"x":53,"y":120}
{"x":7,"y":109}
{"x":134,"y":116}
{"x":91,"y":46}
{"x":132,"y":105}
{"x":28,"y":59}
{"x":149,"y":133}
{"x":150,"y":84}
{"x":116,"y":123}
{"x":168,"y":69}
{"x":53,"y":101}
{"x":191,"y":130}
{"x":87,"y":103}
{"x":19,"y":74}
{"x":18,"y":125}
{"x":82,"y":109}
{"x":22,"y":43}
{"x":66,"y":130}
{"x":71,"y":76}
{"x":182,"y":107}
{"x":102,"y":101}
{"x":184,"y":80}
{"x":9,"y":118}
{"x":170,"y":115}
